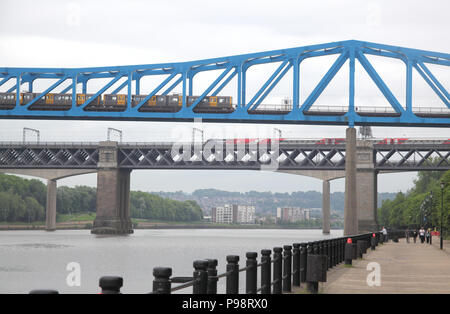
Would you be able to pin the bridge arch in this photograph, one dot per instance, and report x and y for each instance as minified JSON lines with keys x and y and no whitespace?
{"x":52,"y":175}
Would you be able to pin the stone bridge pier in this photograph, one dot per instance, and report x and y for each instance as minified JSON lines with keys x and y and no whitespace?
{"x":113,"y":194}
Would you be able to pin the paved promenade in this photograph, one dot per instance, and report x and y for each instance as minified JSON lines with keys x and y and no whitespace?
{"x":404,"y":268}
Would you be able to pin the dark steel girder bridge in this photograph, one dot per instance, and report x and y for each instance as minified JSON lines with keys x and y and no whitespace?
{"x":289,"y":155}
{"x":358,"y":162}
{"x":113,"y":163}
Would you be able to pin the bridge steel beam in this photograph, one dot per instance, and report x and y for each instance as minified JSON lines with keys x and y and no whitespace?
{"x":113,"y":194}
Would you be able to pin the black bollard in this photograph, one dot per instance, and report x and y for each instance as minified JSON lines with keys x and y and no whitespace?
{"x":200,"y":277}
{"x":277,"y":270}
{"x":287,"y":268}
{"x":110,"y":284}
{"x":348,"y":252}
{"x":266,"y":265}
{"x":303,"y":258}
{"x":373,"y":242}
{"x":316,"y":271}
{"x":232,"y":274}
{"x":212,"y":276}
{"x":43,"y":291}
{"x":251,"y":272}
{"x":161,"y":281}
{"x":296,"y":264}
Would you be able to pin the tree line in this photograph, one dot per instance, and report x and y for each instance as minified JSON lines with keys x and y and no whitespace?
{"x":421,"y":205}
{"x":23,"y":200}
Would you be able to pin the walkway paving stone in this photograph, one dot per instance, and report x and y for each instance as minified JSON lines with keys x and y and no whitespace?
{"x":404,"y":268}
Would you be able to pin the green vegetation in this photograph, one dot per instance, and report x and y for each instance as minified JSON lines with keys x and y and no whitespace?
{"x":404,"y":211}
{"x":23,"y":200}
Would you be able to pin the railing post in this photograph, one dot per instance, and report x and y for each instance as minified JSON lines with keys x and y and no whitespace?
{"x":200,"y":277}
{"x":326,"y":253}
{"x":110,"y":284}
{"x":161,"y":281}
{"x":212,"y":276}
{"x":287,"y":268}
{"x":373,"y":242}
{"x":277,"y":270}
{"x":315,"y":248}
{"x":303,"y":258}
{"x":296,"y":264}
{"x":251,"y":272}
{"x":335,"y":252}
{"x":266,"y":265}
{"x":233,"y":274}
{"x":342,"y":249}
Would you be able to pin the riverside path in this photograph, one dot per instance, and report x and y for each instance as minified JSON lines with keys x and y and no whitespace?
{"x":407,"y":268}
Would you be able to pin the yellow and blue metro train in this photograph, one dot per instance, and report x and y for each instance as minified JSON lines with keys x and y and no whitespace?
{"x":118,"y":102}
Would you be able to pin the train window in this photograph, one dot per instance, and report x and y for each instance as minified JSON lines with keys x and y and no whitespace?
{"x":221,"y":100}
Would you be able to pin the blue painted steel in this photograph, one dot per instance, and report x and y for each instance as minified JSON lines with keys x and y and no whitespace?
{"x":238,"y":65}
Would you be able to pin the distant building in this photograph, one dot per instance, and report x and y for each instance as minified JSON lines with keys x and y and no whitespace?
{"x":244,"y":214}
{"x":292,"y":214}
{"x":222,"y":214}
{"x":238,"y":214}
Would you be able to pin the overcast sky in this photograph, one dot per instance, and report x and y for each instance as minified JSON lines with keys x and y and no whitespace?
{"x":56,"y":33}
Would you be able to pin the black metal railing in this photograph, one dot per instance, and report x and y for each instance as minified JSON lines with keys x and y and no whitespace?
{"x":280,"y":269}
{"x":289,"y":266}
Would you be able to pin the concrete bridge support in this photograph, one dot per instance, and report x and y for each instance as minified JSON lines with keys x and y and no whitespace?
{"x":50,"y":206}
{"x":350,"y":209}
{"x":326,"y":207}
{"x":113,"y":194}
{"x":366,"y":189}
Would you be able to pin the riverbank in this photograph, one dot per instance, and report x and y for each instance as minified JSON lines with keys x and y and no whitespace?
{"x":87,"y":225}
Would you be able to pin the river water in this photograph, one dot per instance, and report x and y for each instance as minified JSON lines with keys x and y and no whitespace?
{"x":39,"y":260}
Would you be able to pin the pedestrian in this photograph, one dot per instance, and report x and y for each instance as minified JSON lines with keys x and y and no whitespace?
{"x":422,"y":235}
{"x":407,"y":235}
{"x":415,"y":235}
{"x":428,"y":236}
{"x":385,"y":234}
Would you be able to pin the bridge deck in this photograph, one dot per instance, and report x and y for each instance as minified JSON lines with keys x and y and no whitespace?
{"x":405,"y":268}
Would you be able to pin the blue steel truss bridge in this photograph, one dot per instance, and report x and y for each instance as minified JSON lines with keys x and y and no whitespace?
{"x":122,"y":98}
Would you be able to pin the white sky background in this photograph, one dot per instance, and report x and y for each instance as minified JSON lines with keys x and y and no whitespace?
{"x":55,"y":33}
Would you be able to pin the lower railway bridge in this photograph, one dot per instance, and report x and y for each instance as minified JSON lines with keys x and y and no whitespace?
{"x":322,"y":159}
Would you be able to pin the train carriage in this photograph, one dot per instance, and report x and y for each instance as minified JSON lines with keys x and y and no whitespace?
{"x":8,"y":100}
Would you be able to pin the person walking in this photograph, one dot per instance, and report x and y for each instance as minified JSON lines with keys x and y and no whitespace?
{"x":407,"y":235}
{"x":385,"y":234}
{"x":422,"y":235}
{"x":428,"y":236}
{"x":415,"y":235}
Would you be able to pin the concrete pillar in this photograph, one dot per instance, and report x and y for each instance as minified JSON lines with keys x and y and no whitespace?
{"x":350,"y":210}
{"x":326,"y":207}
{"x":50,"y":210}
{"x":366,"y":189}
{"x":113,"y":194}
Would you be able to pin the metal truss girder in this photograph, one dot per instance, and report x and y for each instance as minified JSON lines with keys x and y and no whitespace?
{"x":292,"y":57}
